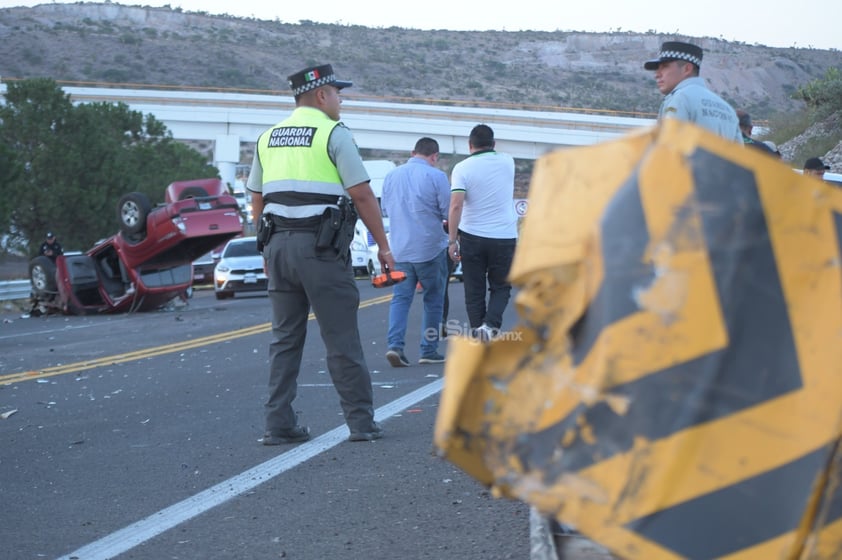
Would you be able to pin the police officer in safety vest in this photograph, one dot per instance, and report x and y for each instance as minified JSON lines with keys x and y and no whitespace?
{"x":306,"y":179}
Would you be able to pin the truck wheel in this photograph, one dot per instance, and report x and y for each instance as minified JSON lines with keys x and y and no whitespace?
{"x":42,"y":276}
{"x":132,"y":211}
{"x":192,"y":192}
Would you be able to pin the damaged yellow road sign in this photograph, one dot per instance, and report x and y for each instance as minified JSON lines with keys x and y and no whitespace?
{"x":674,"y":386}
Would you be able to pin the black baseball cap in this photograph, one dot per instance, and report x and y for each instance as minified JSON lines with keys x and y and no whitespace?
{"x":815,"y":163}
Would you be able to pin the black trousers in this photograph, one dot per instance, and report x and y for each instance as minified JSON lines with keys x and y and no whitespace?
{"x":485,"y":267}
{"x":451,"y":266}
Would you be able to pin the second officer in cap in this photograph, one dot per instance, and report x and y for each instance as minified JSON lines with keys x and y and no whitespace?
{"x":687,"y":97}
{"x":305,"y":170}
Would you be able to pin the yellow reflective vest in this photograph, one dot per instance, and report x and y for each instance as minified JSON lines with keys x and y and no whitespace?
{"x":299,"y":178}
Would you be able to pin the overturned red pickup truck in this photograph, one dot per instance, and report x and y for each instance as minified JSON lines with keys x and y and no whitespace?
{"x":148,"y":263}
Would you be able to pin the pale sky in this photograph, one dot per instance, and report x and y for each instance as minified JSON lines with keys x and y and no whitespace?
{"x":806,"y":23}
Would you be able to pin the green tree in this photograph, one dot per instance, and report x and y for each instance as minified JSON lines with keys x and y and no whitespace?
{"x":823,"y":96}
{"x":30,"y":122}
{"x":9,"y":167}
{"x":70,"y":165}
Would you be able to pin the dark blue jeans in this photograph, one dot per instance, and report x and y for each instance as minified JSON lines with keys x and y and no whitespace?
{"x":432,"y":275}
{"x":485,"y":266}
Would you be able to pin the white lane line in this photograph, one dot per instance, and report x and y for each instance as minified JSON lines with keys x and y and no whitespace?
{"x":120,"y":541}
{"x":61,"y":329}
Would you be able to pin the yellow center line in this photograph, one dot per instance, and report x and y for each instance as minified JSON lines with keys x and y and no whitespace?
{"x":155,"y":350}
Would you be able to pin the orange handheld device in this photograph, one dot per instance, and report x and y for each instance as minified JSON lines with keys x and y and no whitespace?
{"x":388,"y":278}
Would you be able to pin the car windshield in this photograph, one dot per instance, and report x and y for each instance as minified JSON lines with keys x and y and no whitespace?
{"x":241,"y":250}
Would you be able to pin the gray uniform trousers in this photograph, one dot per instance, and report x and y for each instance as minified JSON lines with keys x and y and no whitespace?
{"x":301,"y":277}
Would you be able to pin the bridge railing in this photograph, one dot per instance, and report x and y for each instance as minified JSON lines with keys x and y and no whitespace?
{"x":523,"y":131}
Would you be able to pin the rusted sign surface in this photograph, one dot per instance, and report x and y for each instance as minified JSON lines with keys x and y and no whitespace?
{"x":674,"y":386}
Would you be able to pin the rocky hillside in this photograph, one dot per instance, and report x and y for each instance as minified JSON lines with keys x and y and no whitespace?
{"x":829,"y":128}
{"x":104,"y":42}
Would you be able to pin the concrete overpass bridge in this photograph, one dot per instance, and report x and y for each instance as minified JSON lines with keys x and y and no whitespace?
{"x":230,"y":119}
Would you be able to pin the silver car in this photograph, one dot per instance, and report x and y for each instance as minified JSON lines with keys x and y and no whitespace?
{"x":240,"y":269}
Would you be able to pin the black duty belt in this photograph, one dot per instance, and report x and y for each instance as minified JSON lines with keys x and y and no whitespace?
{"x":296,"y":224}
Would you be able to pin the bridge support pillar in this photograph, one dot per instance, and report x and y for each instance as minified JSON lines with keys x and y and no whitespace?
{"x":226,"y":156}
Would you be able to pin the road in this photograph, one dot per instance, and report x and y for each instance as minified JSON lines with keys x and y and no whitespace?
{"x":136,"y":436}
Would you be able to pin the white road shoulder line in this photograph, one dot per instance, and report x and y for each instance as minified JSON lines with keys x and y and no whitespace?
{"x":120,"y":541}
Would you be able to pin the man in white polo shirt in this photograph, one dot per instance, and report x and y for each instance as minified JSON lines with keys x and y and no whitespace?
{"x":482,"y":226}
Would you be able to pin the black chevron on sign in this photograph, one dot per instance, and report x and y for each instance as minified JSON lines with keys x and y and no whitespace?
{"x":758,"y":364}
{"x":741,"y":515}
{"x":837,"y":220}
{"x":624,"y":239}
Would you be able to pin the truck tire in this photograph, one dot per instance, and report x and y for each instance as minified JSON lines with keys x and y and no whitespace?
{"x":132,"y":211}
{"x":42,"y":276}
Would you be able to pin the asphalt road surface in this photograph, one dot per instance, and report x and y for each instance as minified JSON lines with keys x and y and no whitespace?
{"x":136,"y":436}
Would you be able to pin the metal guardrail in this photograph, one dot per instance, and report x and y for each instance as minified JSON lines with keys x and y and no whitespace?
{"x":14,"y":289}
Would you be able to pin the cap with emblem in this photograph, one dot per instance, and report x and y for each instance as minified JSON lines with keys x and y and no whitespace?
{"x":676,"y":50}
{"x":313,"y":77}
{"x":50,"y":235}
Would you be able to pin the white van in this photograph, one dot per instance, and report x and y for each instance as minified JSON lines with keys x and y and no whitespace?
{"x":833,"y":178}
{"x":244,"y":201}
{"x":377,"y":170}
